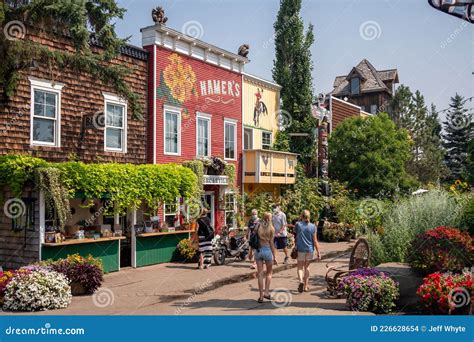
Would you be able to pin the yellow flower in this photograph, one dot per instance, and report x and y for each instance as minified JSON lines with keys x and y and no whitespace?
{"x":457,"y":182}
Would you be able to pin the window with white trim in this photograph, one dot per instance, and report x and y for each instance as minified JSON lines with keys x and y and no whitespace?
{"x":266,"y":140}
{"x":115,"y":131}
{"x":172,"y":132}
{"x":170,"y":212}
{"x":203,"y":136}
{"x":230,"y":209}
{"x":45,"y":113}
{"x":230,"y":140}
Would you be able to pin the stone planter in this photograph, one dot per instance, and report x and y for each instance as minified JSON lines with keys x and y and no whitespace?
{"x":77,"y":289}
{"x":409,"y":281}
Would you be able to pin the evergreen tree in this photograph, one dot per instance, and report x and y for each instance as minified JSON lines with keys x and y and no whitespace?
{"x":458,"y":129}
{"x":292,"y":70}
{"x":410,"y":112}
{"x":401,"y":107}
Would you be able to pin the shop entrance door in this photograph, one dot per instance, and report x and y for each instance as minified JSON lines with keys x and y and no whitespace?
{"x":208,"y":202}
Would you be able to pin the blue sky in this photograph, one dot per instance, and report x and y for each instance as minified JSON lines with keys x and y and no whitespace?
{"x":432,"y":51}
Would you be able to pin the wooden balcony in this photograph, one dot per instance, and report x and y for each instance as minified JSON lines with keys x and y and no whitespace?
{"x":269,"y":167}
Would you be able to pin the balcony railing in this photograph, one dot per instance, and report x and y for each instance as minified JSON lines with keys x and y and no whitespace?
{"x":271,"y":167}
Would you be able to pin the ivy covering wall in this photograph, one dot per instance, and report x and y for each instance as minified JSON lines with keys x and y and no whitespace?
{"x":126,"y":185}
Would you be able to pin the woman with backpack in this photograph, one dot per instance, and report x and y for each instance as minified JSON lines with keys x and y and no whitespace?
{"x":306,"y":243}
{"x":262,"y":241}
{"x":205,"y":234}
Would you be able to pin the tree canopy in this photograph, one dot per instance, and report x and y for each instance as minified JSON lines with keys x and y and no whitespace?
{"x":369,"y":154}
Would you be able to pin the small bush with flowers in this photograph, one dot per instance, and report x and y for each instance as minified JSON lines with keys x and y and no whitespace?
{"x":5,"y":278}
{"x":442,"y":249}
{"x":446,"y":293}
{"x":85,"y":273}
{"x":37,"y":290}
{"x":187,"y":249}
{"x":368,"y":289}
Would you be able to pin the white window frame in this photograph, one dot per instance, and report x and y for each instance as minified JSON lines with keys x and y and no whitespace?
{"x":177,"y":111}
{"x":206,"y":117}
{"x":118,"y":101}
{"x":234,"y":210}
{"x":165,"y":213}
{"x":271,"y":140}
{"x":51,"y":87}
{"x":234,"y":123}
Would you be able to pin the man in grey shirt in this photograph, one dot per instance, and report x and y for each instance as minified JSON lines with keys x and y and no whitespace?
{"x":281,"y":233}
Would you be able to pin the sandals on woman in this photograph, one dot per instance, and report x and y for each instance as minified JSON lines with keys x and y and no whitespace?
{"x":260,"y":300}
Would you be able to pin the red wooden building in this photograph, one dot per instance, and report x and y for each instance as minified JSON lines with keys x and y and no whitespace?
{"x":195,"y":110}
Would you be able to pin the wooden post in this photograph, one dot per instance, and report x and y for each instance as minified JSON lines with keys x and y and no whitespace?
{"x":134,"y":238}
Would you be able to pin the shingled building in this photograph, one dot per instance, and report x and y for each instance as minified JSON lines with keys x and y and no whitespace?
{"x":366,"y":87}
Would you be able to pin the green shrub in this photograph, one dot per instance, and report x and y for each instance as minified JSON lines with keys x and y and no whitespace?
{"x":467,"y":222}
{"x":412,"y":216}
{"x":186,"y":249}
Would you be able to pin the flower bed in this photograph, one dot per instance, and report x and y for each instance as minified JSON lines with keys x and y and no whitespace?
{"x":334,"y":232}
{"x":442,"y":249}
{"x":446,"y":293}
{"x":41,"y":289}
{"x":85,"y":274}
{"x":368,"y":289}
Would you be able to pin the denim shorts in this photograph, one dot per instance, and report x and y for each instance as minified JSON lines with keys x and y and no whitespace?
{"x":264,"y":254}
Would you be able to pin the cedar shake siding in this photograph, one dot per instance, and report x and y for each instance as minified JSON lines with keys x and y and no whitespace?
{"x":81,"y":95}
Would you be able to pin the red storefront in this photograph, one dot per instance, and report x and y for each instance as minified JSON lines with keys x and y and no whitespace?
{"x":195,"y":107}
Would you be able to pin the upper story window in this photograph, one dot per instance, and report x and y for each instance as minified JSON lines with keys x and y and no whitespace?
{"x":266,"y":140}
{"x":172,"y":131}
{"x":230,"y":139}
{"x":115,"y":124}
{"x":355,"y":86}
{"x":203,"y":135}
{"x":45,"y":113}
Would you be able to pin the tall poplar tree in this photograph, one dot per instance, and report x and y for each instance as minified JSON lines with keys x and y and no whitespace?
{"x":292,"y":70}
{"x":458,"y":129}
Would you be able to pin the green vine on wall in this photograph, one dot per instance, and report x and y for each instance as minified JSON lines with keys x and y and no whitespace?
{"x":48,"y":180}
{"x":127,"y":186}
{"x":53,"y":17}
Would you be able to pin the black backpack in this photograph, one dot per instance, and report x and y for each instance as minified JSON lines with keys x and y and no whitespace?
{"x":254,"y":240}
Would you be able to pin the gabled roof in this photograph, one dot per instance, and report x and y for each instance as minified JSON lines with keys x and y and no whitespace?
{"x":371,"y":79}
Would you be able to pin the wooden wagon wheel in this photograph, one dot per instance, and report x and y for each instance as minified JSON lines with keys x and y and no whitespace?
{"x":360,"y":255}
